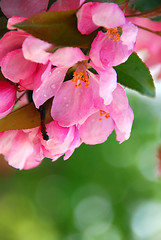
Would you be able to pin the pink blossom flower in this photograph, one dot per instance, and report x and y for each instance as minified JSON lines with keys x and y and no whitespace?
{"x":24,"y":149}
{"x":50,"y":81}
{"x":14,"y":66}
{"x":8,"y":97}
{"x":87,"y":107}
{"x":117,"y":115}
{"x":75,"y":99}
{"x":108,"y":48}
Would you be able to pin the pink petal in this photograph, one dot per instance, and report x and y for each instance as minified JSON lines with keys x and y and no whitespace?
{"x":13,"y":20}
{"x":107,"y":15}
{"x":121,"y":113}
{"x":129,"y":35}
{"x":15,"y":67}
{"x":48,"y":85}
{"x":67,"y":56}
{"x":93,"y":15}
{"x":65,"y":5}
{"x":27,"y":83}
{"x":34,"y":50}
{"x":20,"y":150}
{"x":6,"y":140}
{"x":94,"y":53}
{"x":94,"y":131}
{"x":106,"y":53}
{"x":16,"y":148}
{"x":60,"y":139}
{"x":23,"y":8}
{"x":72,"y":105}
{"x":108,"y":83}
{"x":8,"y":97}
{"x":84,"y":16}
{"x":31,"y":162}
{"x":113,"y":53}
{"x":124,"y":124}
{"x":11,"y":41}
{"x":119,"y":102}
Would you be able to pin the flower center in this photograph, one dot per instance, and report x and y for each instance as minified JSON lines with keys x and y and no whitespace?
{"x":113,"y":33}
{"x":80,"y":77}
{"x":105,"y":114}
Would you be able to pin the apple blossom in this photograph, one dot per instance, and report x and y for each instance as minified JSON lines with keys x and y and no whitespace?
{"x":14,"y":66}
{"x":115,"y":43}
{"x":24,"y":149}
{"x":75,"y":99}
{"x":117,"y":115}
{"x":87,"y":104}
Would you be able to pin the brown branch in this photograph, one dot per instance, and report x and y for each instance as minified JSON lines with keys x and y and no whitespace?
{"x":149,"y":30}
{"x":148,"y":14}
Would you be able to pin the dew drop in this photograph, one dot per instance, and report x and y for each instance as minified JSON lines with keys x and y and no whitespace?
{"x":53,"y":86}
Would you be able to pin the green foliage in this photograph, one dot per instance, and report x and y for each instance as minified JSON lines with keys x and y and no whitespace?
{"x":58,"y":28}
{"x":24,"y":118}
{"x":135,"y":75}
{"x":144,"y":5}
{"x":92,"y":196}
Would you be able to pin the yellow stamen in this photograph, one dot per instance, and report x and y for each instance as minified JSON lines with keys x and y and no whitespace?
{"x":107,"y":115}
{"x":113,"y":34}
{"x":103,"y":113}
{"x":80,"y":77}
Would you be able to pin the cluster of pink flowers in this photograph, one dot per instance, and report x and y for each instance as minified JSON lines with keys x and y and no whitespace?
{"x":86,"y":108}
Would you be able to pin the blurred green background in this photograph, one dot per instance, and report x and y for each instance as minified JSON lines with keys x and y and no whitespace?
{"x":103,"y":192}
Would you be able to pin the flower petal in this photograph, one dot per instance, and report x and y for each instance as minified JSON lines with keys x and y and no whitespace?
{"x":108,"y":15}
{"x":67,"y":56}
{"x":23,"y":8}
{"x":108,"y":83}
{"x":16,"y":147}
{"x":60,"y":140}
{"x":84,"y":17}
{"x":94,"y":131}
{"x":34,"y":50}
{"x":8,"y":97}
{"x":129,"y":34}
{"x":48,"y":85}
{"x":94,"y":53}
{"x":15,"y":67}
{"x":119,"y":102}
{"x":11,"y":41}
{"x":65,"y":5}
{"x":13,"y":20}
{"x":124,"y":124}
{"x":72,"y":105}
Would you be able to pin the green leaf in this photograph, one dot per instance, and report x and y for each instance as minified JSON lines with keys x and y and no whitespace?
{"x":24,"y":118}
{"x":58,"y":28}
{"x":144,"y":5}
{"x":134,"y":74}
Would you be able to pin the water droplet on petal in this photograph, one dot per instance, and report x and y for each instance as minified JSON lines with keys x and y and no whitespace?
{"x":53,"y":86}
